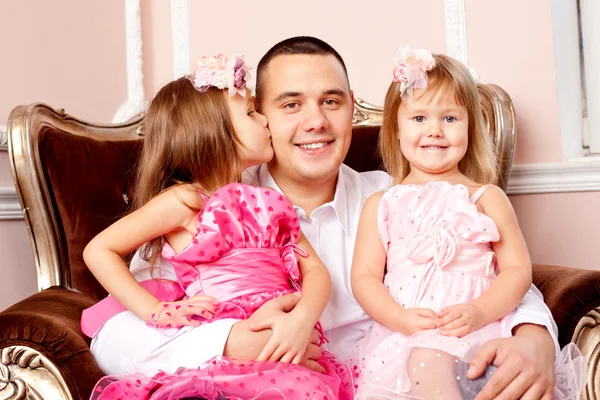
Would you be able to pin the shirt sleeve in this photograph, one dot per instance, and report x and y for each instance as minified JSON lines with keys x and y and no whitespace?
{"x":380,"y":180}
{"x":141,"y":270}
{"x":533,"y":310}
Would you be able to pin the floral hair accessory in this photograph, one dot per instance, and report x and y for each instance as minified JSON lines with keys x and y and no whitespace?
{"x":410,"y":70}
{"x":222,"y":72}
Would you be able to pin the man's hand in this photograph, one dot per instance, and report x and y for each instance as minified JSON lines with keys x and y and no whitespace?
{"x":281,"y":306}
{"x":525,"y":366}
{"x":289,"y":340}
{"x":460,"y":319}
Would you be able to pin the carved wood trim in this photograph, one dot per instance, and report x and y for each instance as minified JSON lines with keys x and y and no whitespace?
{"x":587,"y":338}
{"x":27,"y":374}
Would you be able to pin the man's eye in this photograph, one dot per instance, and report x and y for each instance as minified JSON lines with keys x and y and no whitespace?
{"x":419,"y":118}
{"x":330,"y":102}
{"x":449,"y":119}
{"x":290,"y":106}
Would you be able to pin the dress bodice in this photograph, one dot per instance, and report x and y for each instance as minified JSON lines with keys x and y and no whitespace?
{"x":245,"y":243}
{"x":437,"y":223}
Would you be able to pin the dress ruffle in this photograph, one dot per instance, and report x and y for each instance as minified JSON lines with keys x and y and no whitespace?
{"x":226,"y":378}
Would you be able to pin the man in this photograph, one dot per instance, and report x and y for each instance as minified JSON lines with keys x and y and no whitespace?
{"x":303,"y":89}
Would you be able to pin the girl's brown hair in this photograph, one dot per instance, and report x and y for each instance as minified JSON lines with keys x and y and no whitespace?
{"x":188,"y":139}
{"x":448,"y":77}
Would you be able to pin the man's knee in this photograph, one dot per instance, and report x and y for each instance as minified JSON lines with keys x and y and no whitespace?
{"x":244,"y":344}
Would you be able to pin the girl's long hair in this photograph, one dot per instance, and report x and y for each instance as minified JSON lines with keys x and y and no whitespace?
{"x":448,"y":78}
{"x":189,"y":139}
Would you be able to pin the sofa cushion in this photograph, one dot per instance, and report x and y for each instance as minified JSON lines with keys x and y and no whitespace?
{"x":363,"y":154}
{"x":87,"y":179}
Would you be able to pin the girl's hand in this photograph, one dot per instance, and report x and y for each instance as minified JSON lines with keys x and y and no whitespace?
{"x":291,"y":336}
{"x":181,"y":313}
{"x":460,"y":319}
{"x":414,"y":320}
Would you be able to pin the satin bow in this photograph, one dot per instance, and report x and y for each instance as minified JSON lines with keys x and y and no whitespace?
{"x":439,"y":244}
{"x":434,"y":249}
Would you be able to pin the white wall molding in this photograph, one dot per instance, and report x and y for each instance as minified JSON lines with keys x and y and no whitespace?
{"x":10,"y":208}
{"x":456,"y":30}
{"x":3,"y":138}
{"x":565,"y":28}
{"x":136,"y":102}
{"x":180,"y":33}
{"x":576,"y":175}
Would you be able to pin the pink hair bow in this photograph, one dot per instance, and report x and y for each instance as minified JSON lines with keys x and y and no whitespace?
{"x":222,"y":72}
{"x":410,"y":70}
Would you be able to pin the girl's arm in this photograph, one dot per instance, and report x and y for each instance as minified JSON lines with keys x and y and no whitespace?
{"x":368,"y":267}
{"x":514,"y":265}
{"x":103,"y":255}
{"x":292,"y":330}
{"x":316,"y":285}
{"x":512,"y":282}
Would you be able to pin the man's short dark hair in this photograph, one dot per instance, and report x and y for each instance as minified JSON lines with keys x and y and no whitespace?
{"x":296,"y":45}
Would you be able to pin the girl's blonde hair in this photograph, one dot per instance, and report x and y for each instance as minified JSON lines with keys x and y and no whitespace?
{"x":188,"y":139}
{"x":448,"y":77}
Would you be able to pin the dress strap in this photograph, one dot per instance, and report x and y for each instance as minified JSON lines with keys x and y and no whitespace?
{"x":204,"y":196}
{"x":478,"y":193}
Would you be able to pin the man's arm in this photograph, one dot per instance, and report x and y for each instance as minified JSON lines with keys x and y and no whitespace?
{"x":525,"y":361}
{"x":244,"y":344}
{"x":525,"y":365}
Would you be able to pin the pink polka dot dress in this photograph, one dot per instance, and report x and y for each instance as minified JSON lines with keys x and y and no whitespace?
{"x":244,"y":254}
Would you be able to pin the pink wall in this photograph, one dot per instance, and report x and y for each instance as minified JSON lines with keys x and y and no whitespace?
{"x":67,"y":59}
{"x":511,"y":45}
{"x":560,"y":229}
{"x":367,"y":46}
{"x":70,"y":56}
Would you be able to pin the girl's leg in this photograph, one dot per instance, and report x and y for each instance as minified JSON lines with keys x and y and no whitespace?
{"x":432,"y":375}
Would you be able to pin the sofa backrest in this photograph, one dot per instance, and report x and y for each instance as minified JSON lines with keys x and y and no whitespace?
{"x":74,"y":178}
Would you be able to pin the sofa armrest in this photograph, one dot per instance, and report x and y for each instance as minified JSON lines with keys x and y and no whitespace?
{"x":573,"y":296}
{"x":570,"y":293}
{"x":43,"y":350}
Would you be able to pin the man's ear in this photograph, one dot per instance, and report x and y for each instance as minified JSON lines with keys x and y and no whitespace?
{"x":352,"y":98}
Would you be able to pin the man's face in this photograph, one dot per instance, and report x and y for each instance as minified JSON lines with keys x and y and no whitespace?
{"x":309,"y":107}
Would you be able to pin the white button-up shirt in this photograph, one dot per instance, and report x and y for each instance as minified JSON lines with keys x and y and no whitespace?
{"x":331,"y":230}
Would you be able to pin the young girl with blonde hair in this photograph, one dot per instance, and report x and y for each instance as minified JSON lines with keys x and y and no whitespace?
{"x":440,"y":262}
{"x":232,"y":246}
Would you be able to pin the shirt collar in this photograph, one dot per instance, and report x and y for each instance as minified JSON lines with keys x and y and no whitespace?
{"x":339,"y":204}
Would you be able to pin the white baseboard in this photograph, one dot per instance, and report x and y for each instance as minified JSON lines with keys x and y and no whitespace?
{"x":10,"y":208}
{"x":3,"y":138}
{"x":576,"y":175}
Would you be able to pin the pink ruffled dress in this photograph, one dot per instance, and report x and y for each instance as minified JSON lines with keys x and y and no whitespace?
{"x":244,"y":254}
{"x":439,"y":253}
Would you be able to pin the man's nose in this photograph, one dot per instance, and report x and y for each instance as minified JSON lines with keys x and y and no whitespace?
{"x":315,"y":120}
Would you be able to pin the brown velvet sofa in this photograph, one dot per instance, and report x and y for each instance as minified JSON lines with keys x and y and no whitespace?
{"x":74,"y":179}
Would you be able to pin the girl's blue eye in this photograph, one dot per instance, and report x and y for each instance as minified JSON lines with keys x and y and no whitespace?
{"x":449,"y":119}
{"x":420,"y":118}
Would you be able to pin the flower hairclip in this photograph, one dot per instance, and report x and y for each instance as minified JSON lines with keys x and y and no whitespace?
{"x":410,"y":70}
{"x":222,"y":72}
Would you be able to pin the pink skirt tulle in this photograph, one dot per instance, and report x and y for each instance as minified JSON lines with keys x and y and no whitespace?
{"x":226,"y":378}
